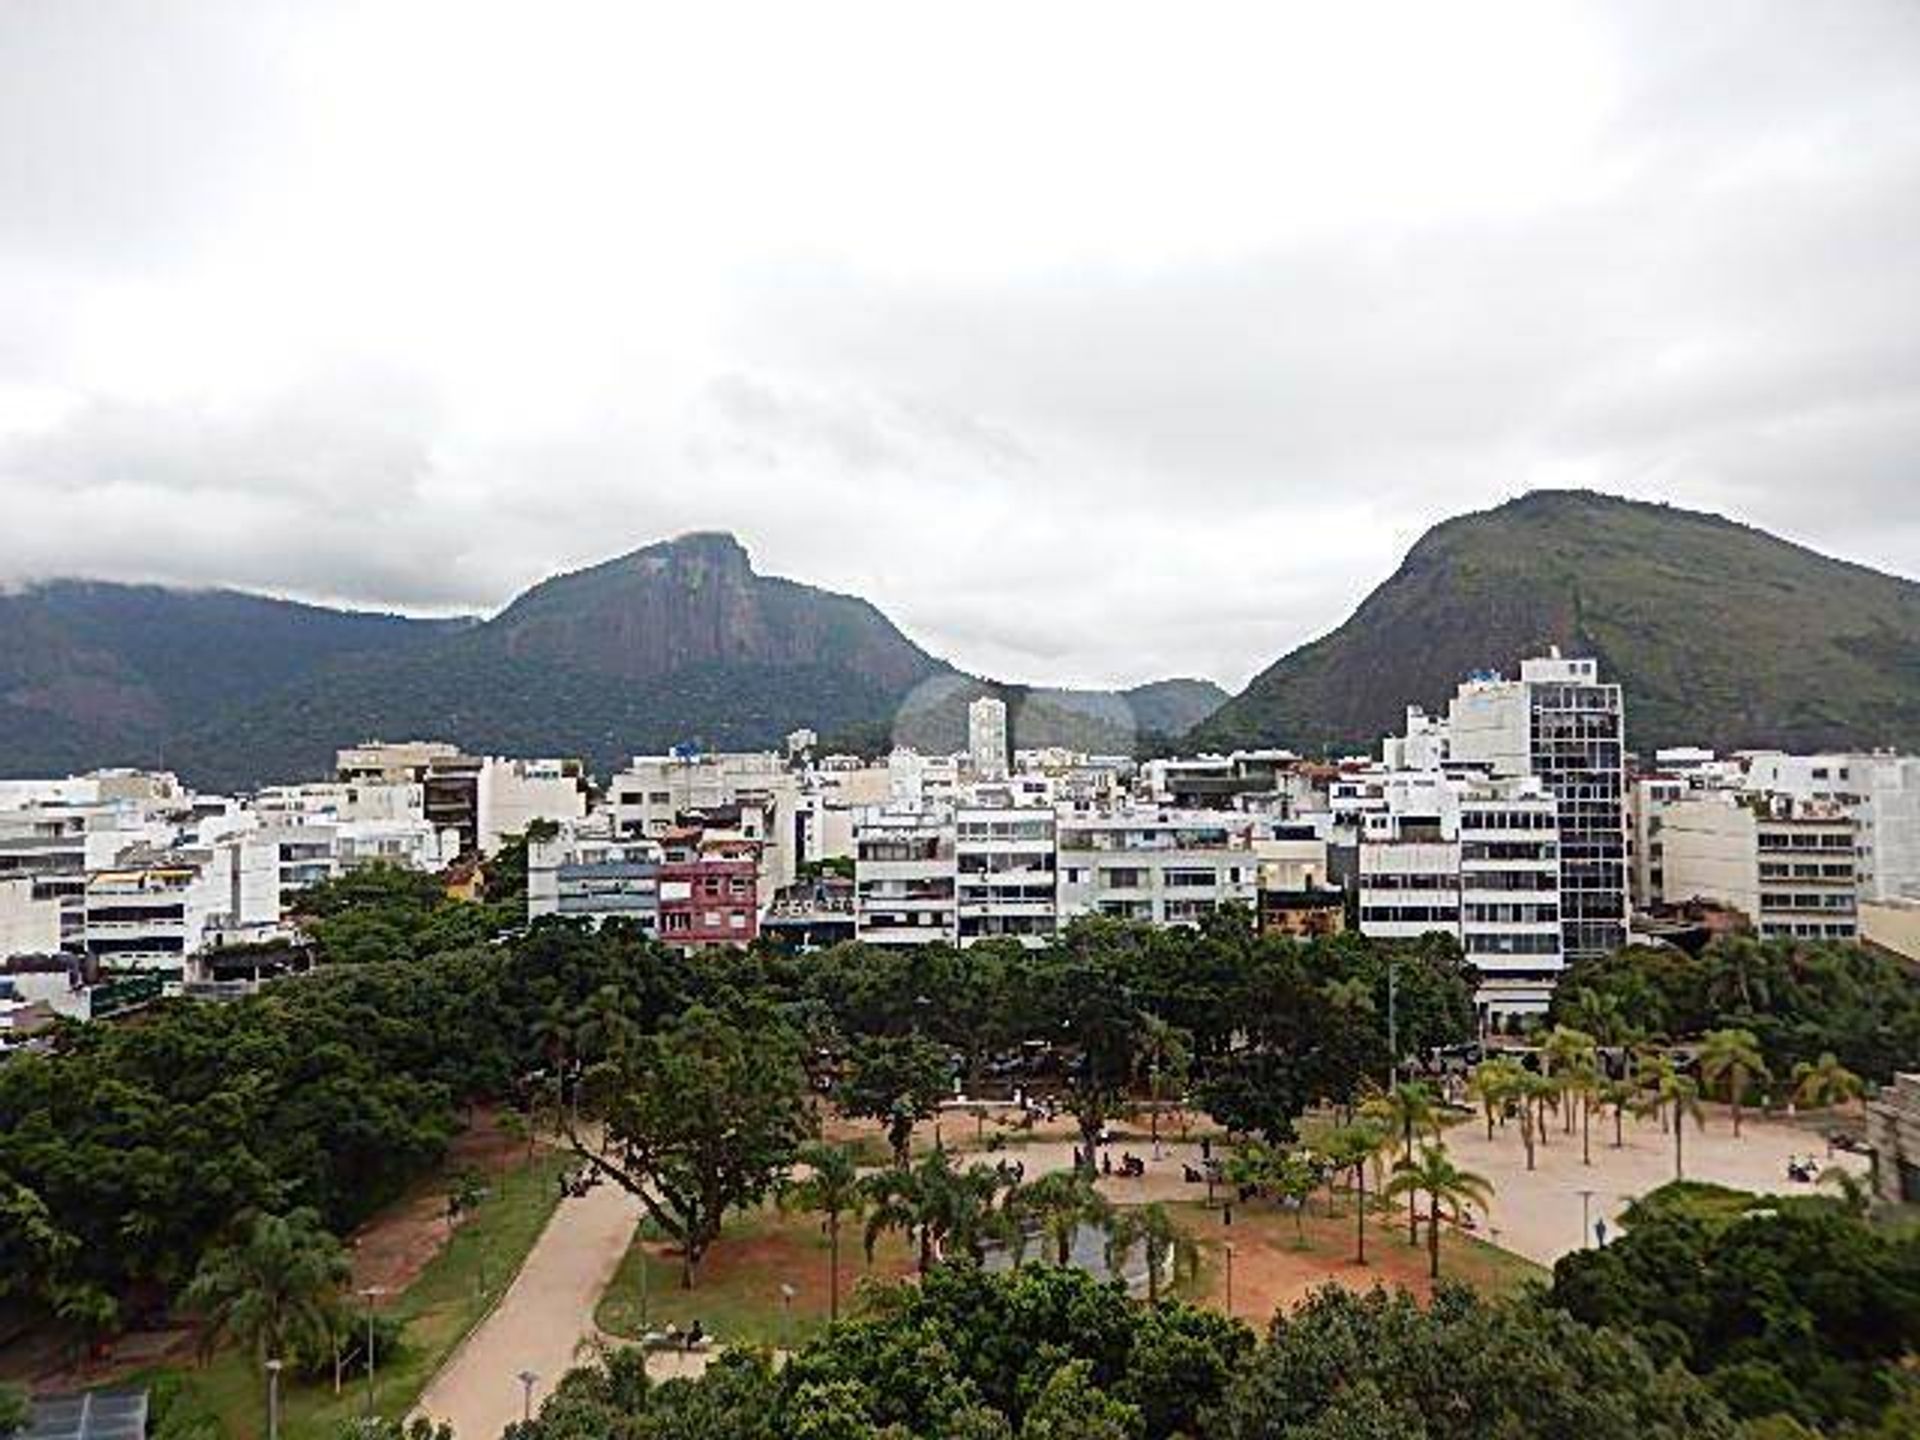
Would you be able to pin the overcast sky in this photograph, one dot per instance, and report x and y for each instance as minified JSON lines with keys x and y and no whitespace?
{"x":1092,"y":343}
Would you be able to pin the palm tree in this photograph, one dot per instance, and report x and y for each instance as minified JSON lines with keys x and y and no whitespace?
{"x":1404,"y":1109}
{"x":1599,"y":1013}
{"x":1165,"y":1051}
{"x":1681,"y":1093}
{"x":1651,"y":1073}
{"x":1562,"y":1051}
{"x":1351,"y":1147}
{"x":944,"y":1209}
{"x":832,"y":1189}
{"x":1534,"y":1092}
{"x":1619,"y":1094}
{"x":1732,"y":1058}
{"x":1165,"y":1241}
{"x":1492,"y":1084}
{"x":1580,"y":1084}
{"x":1824,"y":1083}
{"x":1444,"y":1184}
{"x":275,"y":1289}
{"x":1061,"y":1202}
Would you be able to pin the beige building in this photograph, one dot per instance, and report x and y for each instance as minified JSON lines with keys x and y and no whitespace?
{"x":1892,"y":925}
{"x":1789,"y":867}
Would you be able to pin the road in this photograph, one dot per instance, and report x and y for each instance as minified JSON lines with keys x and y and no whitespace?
{"x":541,"y":1320}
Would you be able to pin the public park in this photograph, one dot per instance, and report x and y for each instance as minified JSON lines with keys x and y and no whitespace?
{"x":501,"y":1182}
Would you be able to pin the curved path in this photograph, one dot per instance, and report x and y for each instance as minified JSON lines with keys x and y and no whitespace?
{"x":541,"y":1320}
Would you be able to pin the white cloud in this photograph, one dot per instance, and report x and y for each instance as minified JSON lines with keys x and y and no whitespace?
{"x":1092,"y":341}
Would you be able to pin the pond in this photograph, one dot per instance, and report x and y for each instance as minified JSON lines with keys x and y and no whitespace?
{"x":1089,"y":1253}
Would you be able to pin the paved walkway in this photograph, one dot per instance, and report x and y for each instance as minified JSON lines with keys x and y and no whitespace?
{"x":540,"y":1322}
{"x":1542,"y":1214}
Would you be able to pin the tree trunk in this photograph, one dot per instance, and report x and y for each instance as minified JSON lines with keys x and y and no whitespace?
{"x":1413,"y":1213}
{"x":833,"y":1275}
{"x":1736,"y":1115}
{"x":1619,"y":1120}
{"x":1090,"y":1122}
{"x":1586,"y":1134}
{"x":1433,"y":1238}
{"x":1679,"y":1170}
{"x":1360,"y":1228}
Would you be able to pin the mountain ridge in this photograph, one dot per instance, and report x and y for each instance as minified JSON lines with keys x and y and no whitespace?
{"x":1720,"y":632}
{"x":679,"y":640}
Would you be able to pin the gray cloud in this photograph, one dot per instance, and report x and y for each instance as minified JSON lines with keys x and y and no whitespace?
{"x":1154,"y":370}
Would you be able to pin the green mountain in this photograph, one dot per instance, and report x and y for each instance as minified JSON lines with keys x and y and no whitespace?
{"x":677,"y":642}
{"x":101,"y":674}
{"x":1721,"y":634}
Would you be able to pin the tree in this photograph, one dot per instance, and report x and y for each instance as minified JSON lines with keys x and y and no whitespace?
{"x":1580,"y":1086}
{"x":1445,"y":1185}
{"x":16,"y":1413}
{"x":899,"y":1080}
{"x":1618,"y":1096}
{"x":1681,"y":1095}
{"x":698,"y":1120}
{"x":1165,"y":1051}
{"x":1060,"y":1203}
{"x":1352,"y":1147}
{"x":1381,"y":1366}
{"x":1071,"y":1407}
{"x":1562,"y":1053}
{"x":1785,"y":1306}
{"x":1824,"y":1083}
{"x":1087,"y":1008}
{"x":1494,"y":1082}
{"x":275,"y":1291}
{"x":1731,"y":1059}
{"x":1855,"y":1195}
{"x":1163,"y":1242}
{"x":946,"y":1212}
{"x":1406,"y":1109}
{"x":830,"y":1188}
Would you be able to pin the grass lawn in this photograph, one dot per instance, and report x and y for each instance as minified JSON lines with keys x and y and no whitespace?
{"x":448,"y":1299}
{"x":737,"y":1297}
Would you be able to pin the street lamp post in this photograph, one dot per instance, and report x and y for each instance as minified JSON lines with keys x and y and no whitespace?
{"x":370,"y":1294}
{"x":1229,"y":1279}
{"x":528,"y":1379}
{"x":1586,"y":1215}
{"x":1393,"y":1026}
{"x":273,"y":1400}
{"x":787,"y":1293}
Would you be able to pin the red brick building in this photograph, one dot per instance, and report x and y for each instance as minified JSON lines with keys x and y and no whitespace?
{"x":709,"y":889}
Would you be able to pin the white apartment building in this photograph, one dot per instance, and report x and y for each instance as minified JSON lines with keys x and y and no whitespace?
{"x":832,"y":794}
{"x":1880,"y":790}
{"x":595,"y":878}
{"x":1789,"y":866}
{"x":987,"y":738}
{"x":1561,"y":724}
{"x":1477,"y":859}
{"x":1004,"y":873}
{"x":656,"y":793}
{"x":1164,"y":866}
{"x":905,"y":880}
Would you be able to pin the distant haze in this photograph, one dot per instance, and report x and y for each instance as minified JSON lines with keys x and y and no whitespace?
{"x":1094,"y":343}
